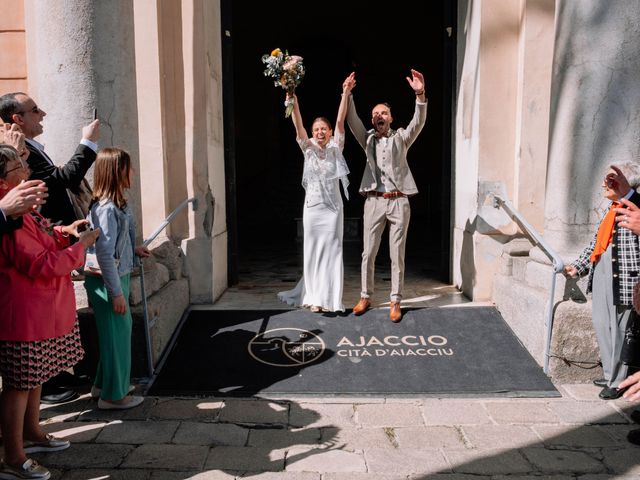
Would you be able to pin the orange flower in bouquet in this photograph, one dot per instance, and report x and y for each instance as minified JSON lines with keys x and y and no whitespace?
{"x":287,"y":71}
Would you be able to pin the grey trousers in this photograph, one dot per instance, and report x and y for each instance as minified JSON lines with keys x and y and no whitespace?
{"x":379,"y":211}
{"x":609,"y":321}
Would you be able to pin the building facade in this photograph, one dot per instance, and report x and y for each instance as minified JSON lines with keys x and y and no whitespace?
{"x":531,"y":99}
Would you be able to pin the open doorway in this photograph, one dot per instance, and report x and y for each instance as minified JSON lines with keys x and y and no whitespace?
{"x":264,"y":163}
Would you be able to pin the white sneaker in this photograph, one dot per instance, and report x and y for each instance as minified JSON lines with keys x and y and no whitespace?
{"x":96,"y":391}
{"x":29,"y":469}
{"x":51,"y":444}
{"x":133,"y":401}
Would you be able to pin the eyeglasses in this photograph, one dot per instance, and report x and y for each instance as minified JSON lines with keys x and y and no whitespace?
{"x":35,"y":109}
{"x":21,"y":167}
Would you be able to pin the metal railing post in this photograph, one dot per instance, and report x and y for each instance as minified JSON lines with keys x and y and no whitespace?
{"x":558,"y":266}
{"x":146,"y":243}
{"x":548,"y":324}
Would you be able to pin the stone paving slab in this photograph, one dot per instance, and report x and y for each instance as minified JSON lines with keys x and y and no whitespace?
{"x":75,"y":431}
{"x":253,"y":459}
{"x":456,"y":476}
{"x":488,"y":462}
{"x":453,"y":476}
{"x":454,"y":412}
{"x":211,"y":434}
{"x":255,"y":411}
{"x":282,"y":476}
{"x":609,"y":477}
{"x":619,"y":432}
{"x":535,"y":477}
{"x":568,"y":436}
{"x":85,"y":455}
{"x":325,"y":460}
{"x":624,"y":460}
{"x":316,"y":400}
{"x":167,"y":457}
{"x":499,"y":436}
{"x":84,"y":474}
{"x":361,"y":476}
{"x":405,"y":461}
{"x":283,"y":437}
{"x":351,"y":439}
{"x":521,"y":412}
{"x":322,"y":415}
{"x":591,"y":412}
{"x":66,"y":411}
{"x":389,"y":415}
{"x":192,"y":475}
{"x":186,"y":409}
{"x":563,"y":461}
{"x":137,"y":433}
{"x":428,"y":438}
{"x":580,"y":391}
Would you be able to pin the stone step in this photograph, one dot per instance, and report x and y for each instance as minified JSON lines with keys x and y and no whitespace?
{"x":523,"y":305}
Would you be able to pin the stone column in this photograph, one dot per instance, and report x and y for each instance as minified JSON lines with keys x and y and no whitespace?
{"x":81,"y":57}
{"x":594,"y":121}
{"x":205,"y":247}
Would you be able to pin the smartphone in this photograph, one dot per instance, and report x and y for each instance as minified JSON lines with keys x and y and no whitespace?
{"x":83,"y":227}
{"x":95,"y":113}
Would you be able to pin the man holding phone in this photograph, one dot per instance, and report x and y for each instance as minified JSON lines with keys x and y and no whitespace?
{"x":20,"y":109}
{"x":62,"y":182}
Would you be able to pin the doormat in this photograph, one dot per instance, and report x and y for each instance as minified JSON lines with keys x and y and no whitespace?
{"x":467,"y":351}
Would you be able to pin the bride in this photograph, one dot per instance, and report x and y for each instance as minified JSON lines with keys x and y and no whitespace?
{"x":321,"y":285}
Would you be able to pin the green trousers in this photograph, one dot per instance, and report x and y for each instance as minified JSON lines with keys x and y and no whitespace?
{"x":113,"y":374}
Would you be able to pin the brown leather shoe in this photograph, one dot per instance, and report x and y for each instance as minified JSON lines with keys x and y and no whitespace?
{"x":362,"y":306}
{"x":395,"y":312}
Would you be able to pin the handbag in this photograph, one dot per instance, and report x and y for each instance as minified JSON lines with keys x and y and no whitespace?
{"x":91,"y":265}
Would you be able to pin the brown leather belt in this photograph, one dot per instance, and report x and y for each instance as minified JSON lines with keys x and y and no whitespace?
{"x":395,"y":194}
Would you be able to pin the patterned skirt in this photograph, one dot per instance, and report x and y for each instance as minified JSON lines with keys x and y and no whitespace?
{"x":27,"y":365}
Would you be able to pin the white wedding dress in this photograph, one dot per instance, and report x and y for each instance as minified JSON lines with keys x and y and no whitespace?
{"x":322,"y":281}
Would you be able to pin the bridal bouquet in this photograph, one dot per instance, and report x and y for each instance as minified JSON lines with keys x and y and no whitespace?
{"x":287,"y":71}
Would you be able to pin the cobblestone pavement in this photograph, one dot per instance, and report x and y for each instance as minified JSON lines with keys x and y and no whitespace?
{"x":575,"y":436}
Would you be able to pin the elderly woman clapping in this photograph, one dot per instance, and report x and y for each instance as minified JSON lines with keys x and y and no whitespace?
{"x":39,"y":334}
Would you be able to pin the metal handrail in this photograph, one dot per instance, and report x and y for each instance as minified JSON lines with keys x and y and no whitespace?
{"x":145,"y":243}
{"x":558,"y":264}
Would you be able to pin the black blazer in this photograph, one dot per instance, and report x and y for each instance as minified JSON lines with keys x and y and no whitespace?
{"x":58,"y":207}
{"x":9,"y":224}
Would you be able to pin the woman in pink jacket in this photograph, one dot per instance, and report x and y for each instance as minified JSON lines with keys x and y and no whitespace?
{"x":39,"y":334}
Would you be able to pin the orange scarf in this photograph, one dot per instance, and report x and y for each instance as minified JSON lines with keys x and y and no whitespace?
{"x":605,"y":233}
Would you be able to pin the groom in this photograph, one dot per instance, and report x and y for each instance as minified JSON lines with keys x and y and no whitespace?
{"x":387,"y":183}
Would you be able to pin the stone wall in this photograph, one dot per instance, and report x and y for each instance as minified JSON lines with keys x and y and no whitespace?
{"x":522,"y":291}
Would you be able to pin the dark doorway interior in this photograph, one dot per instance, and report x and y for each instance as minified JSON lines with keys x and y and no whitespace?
{"x":264,"y":164}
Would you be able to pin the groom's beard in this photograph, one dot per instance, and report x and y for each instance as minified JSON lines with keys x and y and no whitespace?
{"x":382,"y":131}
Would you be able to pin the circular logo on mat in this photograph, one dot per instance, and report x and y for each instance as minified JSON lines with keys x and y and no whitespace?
{"x":286,"y":347}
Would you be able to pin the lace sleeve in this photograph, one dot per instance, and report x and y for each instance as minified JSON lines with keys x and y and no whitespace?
{"x":339,"y":140}
{"x":303,"y":144}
